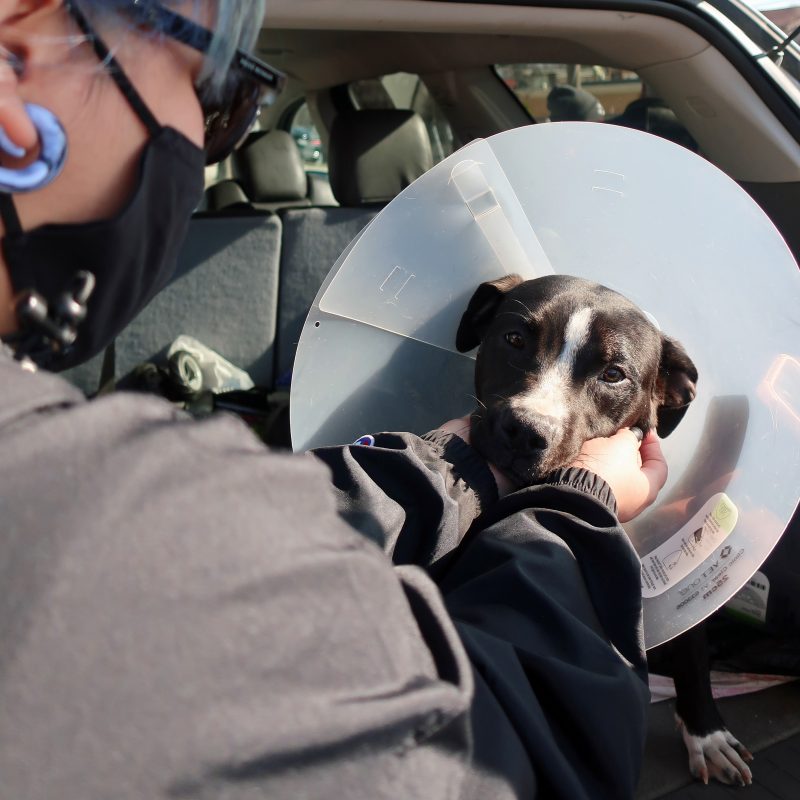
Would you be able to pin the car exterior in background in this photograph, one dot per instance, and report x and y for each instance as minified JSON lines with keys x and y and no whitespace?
{"x":308,"y":143}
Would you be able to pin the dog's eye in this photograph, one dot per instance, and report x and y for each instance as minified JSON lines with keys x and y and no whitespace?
{"x":612,"y":375}
{"x":515,"y":340}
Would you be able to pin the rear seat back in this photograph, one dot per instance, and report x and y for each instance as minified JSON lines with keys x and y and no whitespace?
{"x":246,"y":279}
{"x":372,"y":155}
{"x":224,"y":294}
{"x":313,"y":239}
{"x":270,"y":170}
{"x":225,"y":195}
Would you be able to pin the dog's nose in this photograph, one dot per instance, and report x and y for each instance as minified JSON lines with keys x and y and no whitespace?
{"x":525,"y":437}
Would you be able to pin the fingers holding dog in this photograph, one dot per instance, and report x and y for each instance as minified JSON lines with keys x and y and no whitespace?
{"x":460,"y":427}
{"x":635,"y":473}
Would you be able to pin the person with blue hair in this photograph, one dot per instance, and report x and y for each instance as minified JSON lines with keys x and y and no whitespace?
{"x":186,"y":614}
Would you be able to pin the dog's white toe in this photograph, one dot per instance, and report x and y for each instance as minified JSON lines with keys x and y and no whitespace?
{"x":718,"y":755}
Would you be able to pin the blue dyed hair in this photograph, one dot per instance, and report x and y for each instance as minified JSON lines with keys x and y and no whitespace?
{"x":235,"y":25}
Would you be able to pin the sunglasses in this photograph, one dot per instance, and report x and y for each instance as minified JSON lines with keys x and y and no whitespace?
{"x":231,"y":111}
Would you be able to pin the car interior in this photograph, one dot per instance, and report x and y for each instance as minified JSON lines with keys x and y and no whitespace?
{"x":376,"y":94}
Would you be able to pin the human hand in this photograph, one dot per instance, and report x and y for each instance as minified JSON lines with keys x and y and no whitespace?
{"x":461,"y":427}
{"x":634,"y":472}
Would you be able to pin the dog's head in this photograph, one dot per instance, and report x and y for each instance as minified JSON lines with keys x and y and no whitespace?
{"x":561,"y":361}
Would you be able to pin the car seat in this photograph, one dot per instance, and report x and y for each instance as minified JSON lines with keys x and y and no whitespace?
{"x":653,"y":115}
{"x":372,"y":155}
{"x":569,"y":103}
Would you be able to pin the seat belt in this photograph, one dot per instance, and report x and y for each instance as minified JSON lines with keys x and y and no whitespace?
{"x":108,"y":377}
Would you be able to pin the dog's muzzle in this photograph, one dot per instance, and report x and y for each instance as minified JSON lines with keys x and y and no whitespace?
{"x":521,"y":445}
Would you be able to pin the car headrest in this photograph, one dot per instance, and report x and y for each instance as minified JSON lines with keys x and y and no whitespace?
{"x":567,"y":103}
{"x":224,"y":195}
{"x":653,"y":115}
{"x":269,"y":168}
{"x":374,"y":154}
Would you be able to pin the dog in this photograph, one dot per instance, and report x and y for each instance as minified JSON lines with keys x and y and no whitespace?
{"x":562,"y":360}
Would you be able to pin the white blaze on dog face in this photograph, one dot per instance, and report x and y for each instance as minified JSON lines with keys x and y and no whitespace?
{"x":549,"y":397}
{"x":562,"y":361}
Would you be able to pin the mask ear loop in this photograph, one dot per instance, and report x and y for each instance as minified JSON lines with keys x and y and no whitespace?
{"x":52,"y":154}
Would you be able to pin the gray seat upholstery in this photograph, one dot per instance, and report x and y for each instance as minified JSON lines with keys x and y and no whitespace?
{"x":269,"y":175}
{"x":245,"y":281}
{"x":224,"y":294}
{"x":270,"y":171}
{"x":372,"y":156}
{"x":313,"y":238}
{"x":224,"y":195}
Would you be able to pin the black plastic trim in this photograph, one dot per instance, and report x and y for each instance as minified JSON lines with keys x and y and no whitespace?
{"x":511,"y":93}
{"x":288,"y":113}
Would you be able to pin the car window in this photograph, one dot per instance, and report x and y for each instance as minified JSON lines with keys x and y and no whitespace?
{"x":408,"y":91}
{"x":213,"y":174}
{"x":784,"y":15}
{"x":308,"y":141}
{"x":592,"y":93}
{"x":613,"y":89}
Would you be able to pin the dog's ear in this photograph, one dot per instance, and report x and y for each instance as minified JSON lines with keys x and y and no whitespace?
{"x":676,"y":385}
{"x":481,"y":311}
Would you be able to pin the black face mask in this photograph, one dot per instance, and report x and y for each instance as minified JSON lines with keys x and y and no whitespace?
{"x":131,"y":256}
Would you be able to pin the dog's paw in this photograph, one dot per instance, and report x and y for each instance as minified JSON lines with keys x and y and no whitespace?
{"x":718,"y":755}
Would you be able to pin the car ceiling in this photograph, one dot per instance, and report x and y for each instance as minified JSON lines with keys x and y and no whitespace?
{"x":319,"y":56}
{"x":323,"y":43}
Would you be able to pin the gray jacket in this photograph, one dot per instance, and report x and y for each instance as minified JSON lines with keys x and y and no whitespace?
{"x":186,"y":614}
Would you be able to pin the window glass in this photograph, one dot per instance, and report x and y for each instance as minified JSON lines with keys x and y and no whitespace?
{"x":593,"y":93}
{"x":213,"y":174}
{"x":785,"y":15}
{"x":408,"y":91}
{"x":613,"y":89}
{"x":308,"y":141}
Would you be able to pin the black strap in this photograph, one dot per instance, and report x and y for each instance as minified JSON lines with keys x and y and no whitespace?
{"x":8,"y":213}
{"x":115,"y":70}
{"x":108,"y":370}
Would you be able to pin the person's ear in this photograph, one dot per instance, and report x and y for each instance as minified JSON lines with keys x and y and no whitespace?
{"x":676,"y":386}
{"x":17,"y":48}
{"x":16,"y":125}
{"x":481,"y":311}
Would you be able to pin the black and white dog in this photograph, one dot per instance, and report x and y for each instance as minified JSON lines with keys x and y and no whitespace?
{"x":562,"y":361}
